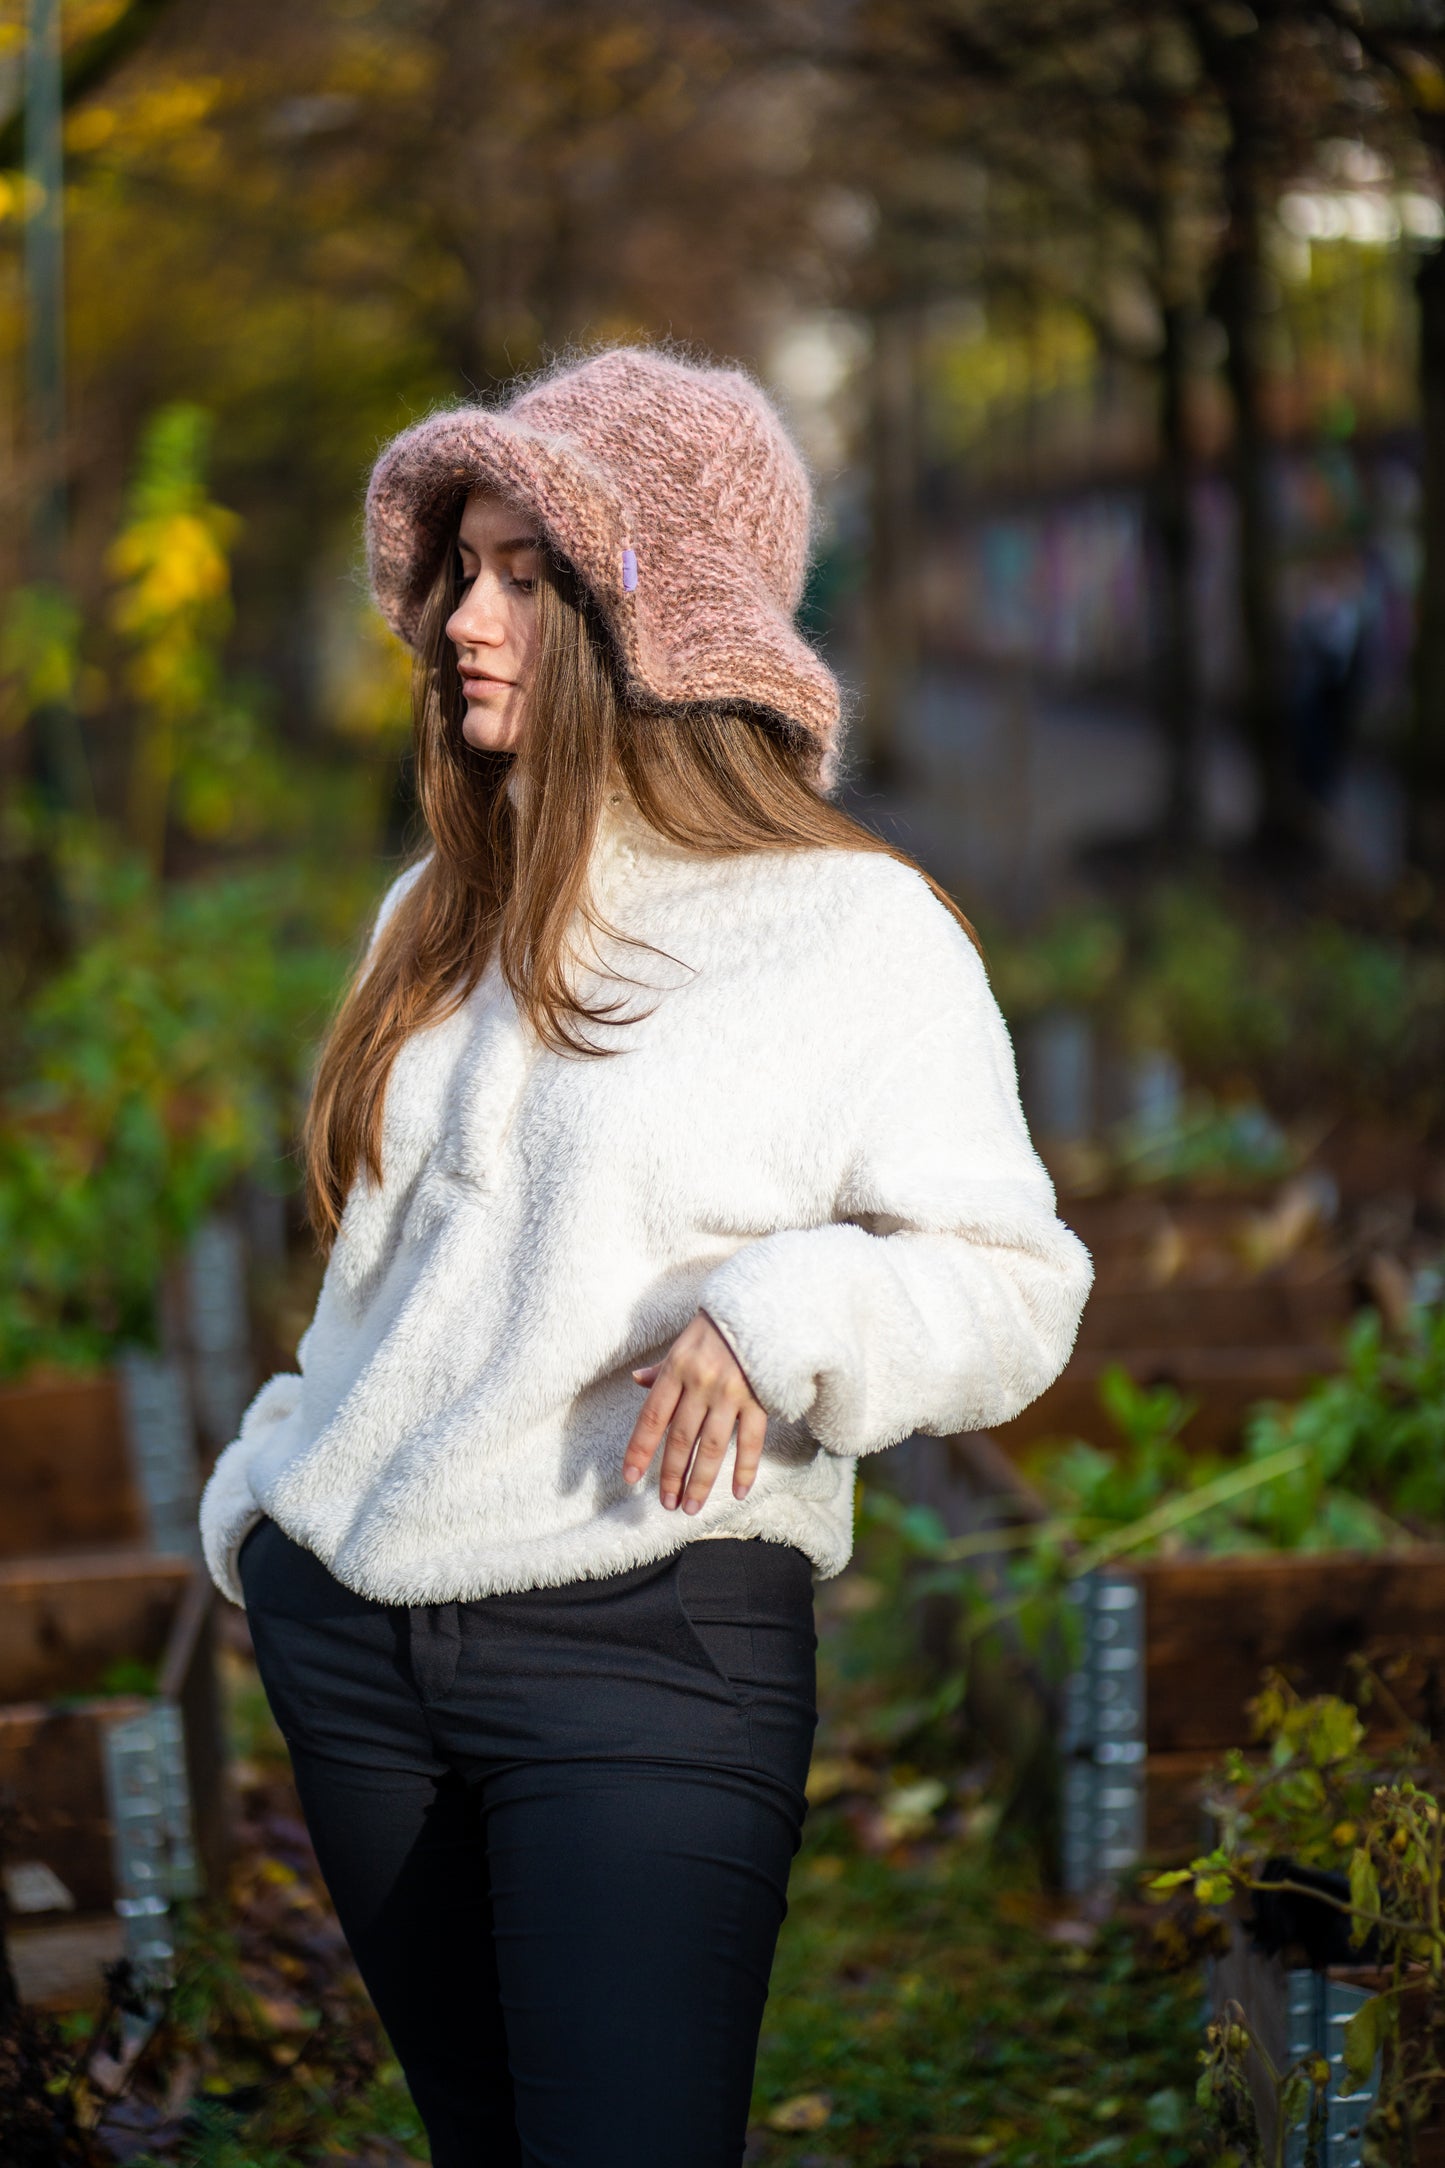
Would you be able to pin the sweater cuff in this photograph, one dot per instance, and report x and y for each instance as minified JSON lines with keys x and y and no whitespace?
{"x":778,"y":1311}
{"x":229,"y":1510}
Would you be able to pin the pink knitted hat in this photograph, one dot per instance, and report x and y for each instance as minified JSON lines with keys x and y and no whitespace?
{"x":676,"y":494}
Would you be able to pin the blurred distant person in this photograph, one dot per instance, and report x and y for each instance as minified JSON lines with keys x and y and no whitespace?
{"x":1329,"y":656}
{"x":669,"y":1155}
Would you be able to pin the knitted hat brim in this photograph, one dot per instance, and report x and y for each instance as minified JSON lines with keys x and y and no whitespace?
{"x":749,"y":653}
{"x":424,"y":476}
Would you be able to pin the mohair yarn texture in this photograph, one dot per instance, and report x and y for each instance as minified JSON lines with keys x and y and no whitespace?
{"x":676,"y":494}
{"x":811,"y":1130}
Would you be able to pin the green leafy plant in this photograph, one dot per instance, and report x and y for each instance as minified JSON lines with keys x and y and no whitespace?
{"x":1320,"y":1795}
{"x":1207,"y":1141}
{"x":1161,"y":1499}
{"x":1324,"y":1475}
{"x":159,"y":1065}
{"x":1300,"y":1017}
{"x":1378,"y":1428}
{"x":1301,"y":2091}
{"x":1075,"y":963}
{"x":1357,"y":1463}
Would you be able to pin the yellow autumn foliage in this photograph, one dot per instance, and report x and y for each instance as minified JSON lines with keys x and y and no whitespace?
{"x":172,"y":562}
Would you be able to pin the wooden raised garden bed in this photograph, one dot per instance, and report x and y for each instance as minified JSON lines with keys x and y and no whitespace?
{"x":98,"y":1461}
{"x":111,"y":1459}
{"x":1174,"y":1649}
{"x":111,"y":1745}
{"x":1226,"y":1382}
{"x":110,"y":1735}
{"x":1180,"y":1298}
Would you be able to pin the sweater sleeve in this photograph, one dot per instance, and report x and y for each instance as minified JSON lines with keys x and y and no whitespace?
{"x":946,"y":1293}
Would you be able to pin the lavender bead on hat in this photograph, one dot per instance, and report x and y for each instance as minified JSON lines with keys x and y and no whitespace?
{"x":674,"y":491}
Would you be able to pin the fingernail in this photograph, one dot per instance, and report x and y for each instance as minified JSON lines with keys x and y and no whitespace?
{"x":669,"y":1499}
{"x":630,"y":1475}
{"x":692,"y":1505}
{"x":740,"y":1490}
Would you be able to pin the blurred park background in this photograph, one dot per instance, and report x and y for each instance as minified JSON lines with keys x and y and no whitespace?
{"x":1114,"y":331}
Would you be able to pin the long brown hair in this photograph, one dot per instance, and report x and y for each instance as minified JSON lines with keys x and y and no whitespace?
{"x":507,"y":870}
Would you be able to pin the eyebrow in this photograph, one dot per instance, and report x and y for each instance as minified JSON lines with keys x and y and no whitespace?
{"x":514,"y":542}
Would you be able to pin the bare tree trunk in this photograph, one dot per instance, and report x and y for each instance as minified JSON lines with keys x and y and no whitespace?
{"x":1263,"y":711}
{"x":1177,"y":693}
{"x":1240,"y":62}
{"x":1426,"y":749}
{"x":892,"y":606}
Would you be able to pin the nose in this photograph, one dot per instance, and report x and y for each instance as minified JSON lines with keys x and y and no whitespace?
{"x":477,"y":619}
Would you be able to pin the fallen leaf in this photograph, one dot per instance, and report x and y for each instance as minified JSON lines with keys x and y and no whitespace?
{"x":827,"y":1867}
{"x":830,"y":1776}
{"x":285,"y":2015}
{"x":921,"y":1799}
{"x":805,"y":2111}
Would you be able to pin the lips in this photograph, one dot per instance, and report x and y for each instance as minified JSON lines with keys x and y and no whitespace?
{"x":478,"y":681}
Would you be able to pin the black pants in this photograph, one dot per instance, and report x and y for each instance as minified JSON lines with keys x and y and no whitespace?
{"x":556,"y":1828}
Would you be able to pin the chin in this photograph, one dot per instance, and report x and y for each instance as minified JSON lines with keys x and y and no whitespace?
{"x":489,"y":733}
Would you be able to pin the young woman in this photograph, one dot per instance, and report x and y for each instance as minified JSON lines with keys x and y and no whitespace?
{"x":669,"y":1153}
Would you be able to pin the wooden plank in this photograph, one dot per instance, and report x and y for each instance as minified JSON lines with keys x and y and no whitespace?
{"x":1250,"y":1240}
{"x":1176,"y":1825}
{"x":1265,"y":1313}
{"x":65,"y":1470}
{"x":52,"y":1761}
{"x":62,"y":1624}
{"x":65,"y":1621}
{"x":1134,"y":1218}
{"x":1214,"y":1626}
{"x":1370,"y":1160}
{"x":1260,"y":1986}
{"x":61,"y":1965}
{"x":1226,"y":1382}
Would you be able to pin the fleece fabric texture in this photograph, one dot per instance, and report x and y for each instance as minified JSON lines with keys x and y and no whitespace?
{"x":810,"y":1128}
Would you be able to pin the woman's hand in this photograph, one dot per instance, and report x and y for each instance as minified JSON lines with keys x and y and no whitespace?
{"x":698,"y":1396}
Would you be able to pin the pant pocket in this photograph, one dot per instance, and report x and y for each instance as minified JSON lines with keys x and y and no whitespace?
{"x":710,"y":1587}
{"x":308,"y":1631}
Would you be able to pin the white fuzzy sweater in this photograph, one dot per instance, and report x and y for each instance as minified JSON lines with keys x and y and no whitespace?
{"x":812,"y":1131}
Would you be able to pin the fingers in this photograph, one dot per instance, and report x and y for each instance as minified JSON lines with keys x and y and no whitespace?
{"x":651,"y":1425}
{"x":682,"y":1433}
{"x":752,"y":1430}
{"x":698,"y":1401}
{"x":713,"y":1441}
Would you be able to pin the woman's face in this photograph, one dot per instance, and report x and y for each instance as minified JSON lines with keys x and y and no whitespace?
{"x":494,"y":626}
